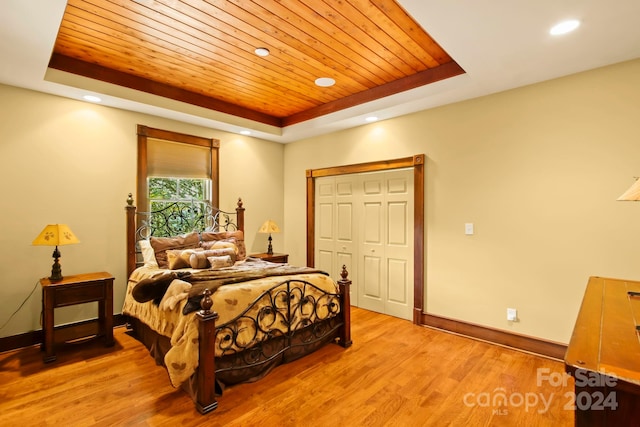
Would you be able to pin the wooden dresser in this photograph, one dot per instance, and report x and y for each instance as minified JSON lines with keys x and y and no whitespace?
{"x":603,"y":355}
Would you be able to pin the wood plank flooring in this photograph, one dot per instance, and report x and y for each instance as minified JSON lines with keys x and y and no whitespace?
{"x":395,"y":374}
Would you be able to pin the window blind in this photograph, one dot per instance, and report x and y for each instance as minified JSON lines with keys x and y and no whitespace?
{"x":178,"y":160}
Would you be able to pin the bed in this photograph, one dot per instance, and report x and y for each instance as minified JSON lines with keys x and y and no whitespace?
{"x":213,"y":316}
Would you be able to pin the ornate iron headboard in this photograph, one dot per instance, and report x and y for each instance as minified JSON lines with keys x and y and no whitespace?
{"x":184,"y":217}
{"x":174,"y":219}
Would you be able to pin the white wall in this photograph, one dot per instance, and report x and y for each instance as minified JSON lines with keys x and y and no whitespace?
{"x":74,"y":162}
{"x":536,"y":169}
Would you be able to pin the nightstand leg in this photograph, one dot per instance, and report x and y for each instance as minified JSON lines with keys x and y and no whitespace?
{"x":107,"y":314}
{"x":47,"y":327}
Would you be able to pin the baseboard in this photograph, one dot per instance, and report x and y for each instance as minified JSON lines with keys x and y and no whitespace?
{"x":63,"y":333}
{"x":521,"y":342}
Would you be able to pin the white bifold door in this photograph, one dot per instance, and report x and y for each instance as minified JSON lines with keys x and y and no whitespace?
{"x":365,"y":221}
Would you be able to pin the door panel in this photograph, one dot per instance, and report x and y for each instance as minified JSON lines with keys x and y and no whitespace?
{"x":371,"y":275}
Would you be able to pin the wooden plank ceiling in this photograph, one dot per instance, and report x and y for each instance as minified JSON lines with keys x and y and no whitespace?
{"x":202,"y":52}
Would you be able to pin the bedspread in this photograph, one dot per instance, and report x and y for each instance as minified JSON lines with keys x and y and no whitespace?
{"x":231,"y":302}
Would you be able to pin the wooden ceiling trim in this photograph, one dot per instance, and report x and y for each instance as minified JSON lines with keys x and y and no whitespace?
{"x":72,"y":65}
{"x":422,"y":78}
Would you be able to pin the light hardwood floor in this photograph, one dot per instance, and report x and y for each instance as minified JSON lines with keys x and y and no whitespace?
{"x":395,"y":374}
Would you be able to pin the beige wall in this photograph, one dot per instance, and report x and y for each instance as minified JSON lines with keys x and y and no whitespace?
{"x":536,"y":169}
{"x":74,"y":162}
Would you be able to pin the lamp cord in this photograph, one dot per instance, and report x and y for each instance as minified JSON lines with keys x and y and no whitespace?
{"x":21,"y":305}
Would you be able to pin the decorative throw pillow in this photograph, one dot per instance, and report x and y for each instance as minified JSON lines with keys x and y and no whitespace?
{"x":220,"y":261}
{"x":179,"y":258}
{"x":228,"y":235}
{"x":220,"y":244}
{"x":160,"y":246}
{"x":148,"y":255}
{"x":200,"y":259}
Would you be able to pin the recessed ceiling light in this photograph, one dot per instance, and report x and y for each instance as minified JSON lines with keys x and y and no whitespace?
{"x":91,"y":98}
{"x":325,"y":81}
{"x":245,"y":132}
{"x":262,"y":51}
{"x":372,"y":119}
{"x":564,"y":27}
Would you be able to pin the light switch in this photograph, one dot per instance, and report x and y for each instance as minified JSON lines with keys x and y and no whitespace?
{"x":468,"y":228}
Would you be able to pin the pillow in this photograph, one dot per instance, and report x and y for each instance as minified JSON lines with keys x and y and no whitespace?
{"x":221,"y":244}
{"x":228,"y":235}
{"x":160,"y":246}
{"x":220,"y":261}
{"x":179,"y":258}
{"x":200,"y":259}
{"x":148,"y":255}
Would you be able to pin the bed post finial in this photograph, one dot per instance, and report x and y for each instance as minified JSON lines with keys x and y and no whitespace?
{"x":344,"y":273}
{"x":206,"y":303}
{"x":130,"y":200}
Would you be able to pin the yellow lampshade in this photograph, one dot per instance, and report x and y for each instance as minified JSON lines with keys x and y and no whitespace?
{"x":269,"y":227}
{"x":56,"y":235}
{"x":633,"y":193}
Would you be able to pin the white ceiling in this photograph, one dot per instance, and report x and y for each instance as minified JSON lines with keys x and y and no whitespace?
{"x":501,"y":44}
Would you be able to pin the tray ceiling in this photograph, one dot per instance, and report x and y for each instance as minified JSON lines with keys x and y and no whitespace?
{"x":202,"y":53}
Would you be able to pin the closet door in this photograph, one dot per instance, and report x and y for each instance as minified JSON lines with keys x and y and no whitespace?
{"x":385,"y":252}
{"x":335,"y":233}
{"x":365,"y":221}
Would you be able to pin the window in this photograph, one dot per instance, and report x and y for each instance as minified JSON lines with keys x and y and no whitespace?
{"x":177,"y":174}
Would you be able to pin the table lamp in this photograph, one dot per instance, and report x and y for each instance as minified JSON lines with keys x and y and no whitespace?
{"x":56,"y":235}
{"x":269,"y":227}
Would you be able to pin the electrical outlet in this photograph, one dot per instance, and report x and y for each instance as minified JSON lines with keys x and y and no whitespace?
{"x":512,"y":314}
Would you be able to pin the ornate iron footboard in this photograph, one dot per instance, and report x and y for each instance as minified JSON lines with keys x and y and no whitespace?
{"x":288,"y":319}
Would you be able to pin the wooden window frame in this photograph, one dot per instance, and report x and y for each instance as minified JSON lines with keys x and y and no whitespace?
{"x":145,"y":132}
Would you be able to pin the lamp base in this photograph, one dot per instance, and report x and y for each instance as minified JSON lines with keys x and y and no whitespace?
{"x":270,"y":248}
{"x":56,"y":269}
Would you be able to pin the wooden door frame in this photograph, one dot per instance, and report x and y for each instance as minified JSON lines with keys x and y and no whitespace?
{"x":416,"y":162}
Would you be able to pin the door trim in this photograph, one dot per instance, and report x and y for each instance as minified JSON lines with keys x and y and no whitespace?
{"x":416,"y":162}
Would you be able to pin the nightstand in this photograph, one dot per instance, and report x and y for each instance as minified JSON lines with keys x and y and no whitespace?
{"x":274,"y":257}
{"x":77,"y":289}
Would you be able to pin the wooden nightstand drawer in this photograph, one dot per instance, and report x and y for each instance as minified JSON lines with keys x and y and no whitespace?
{"x":79,"y":294}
